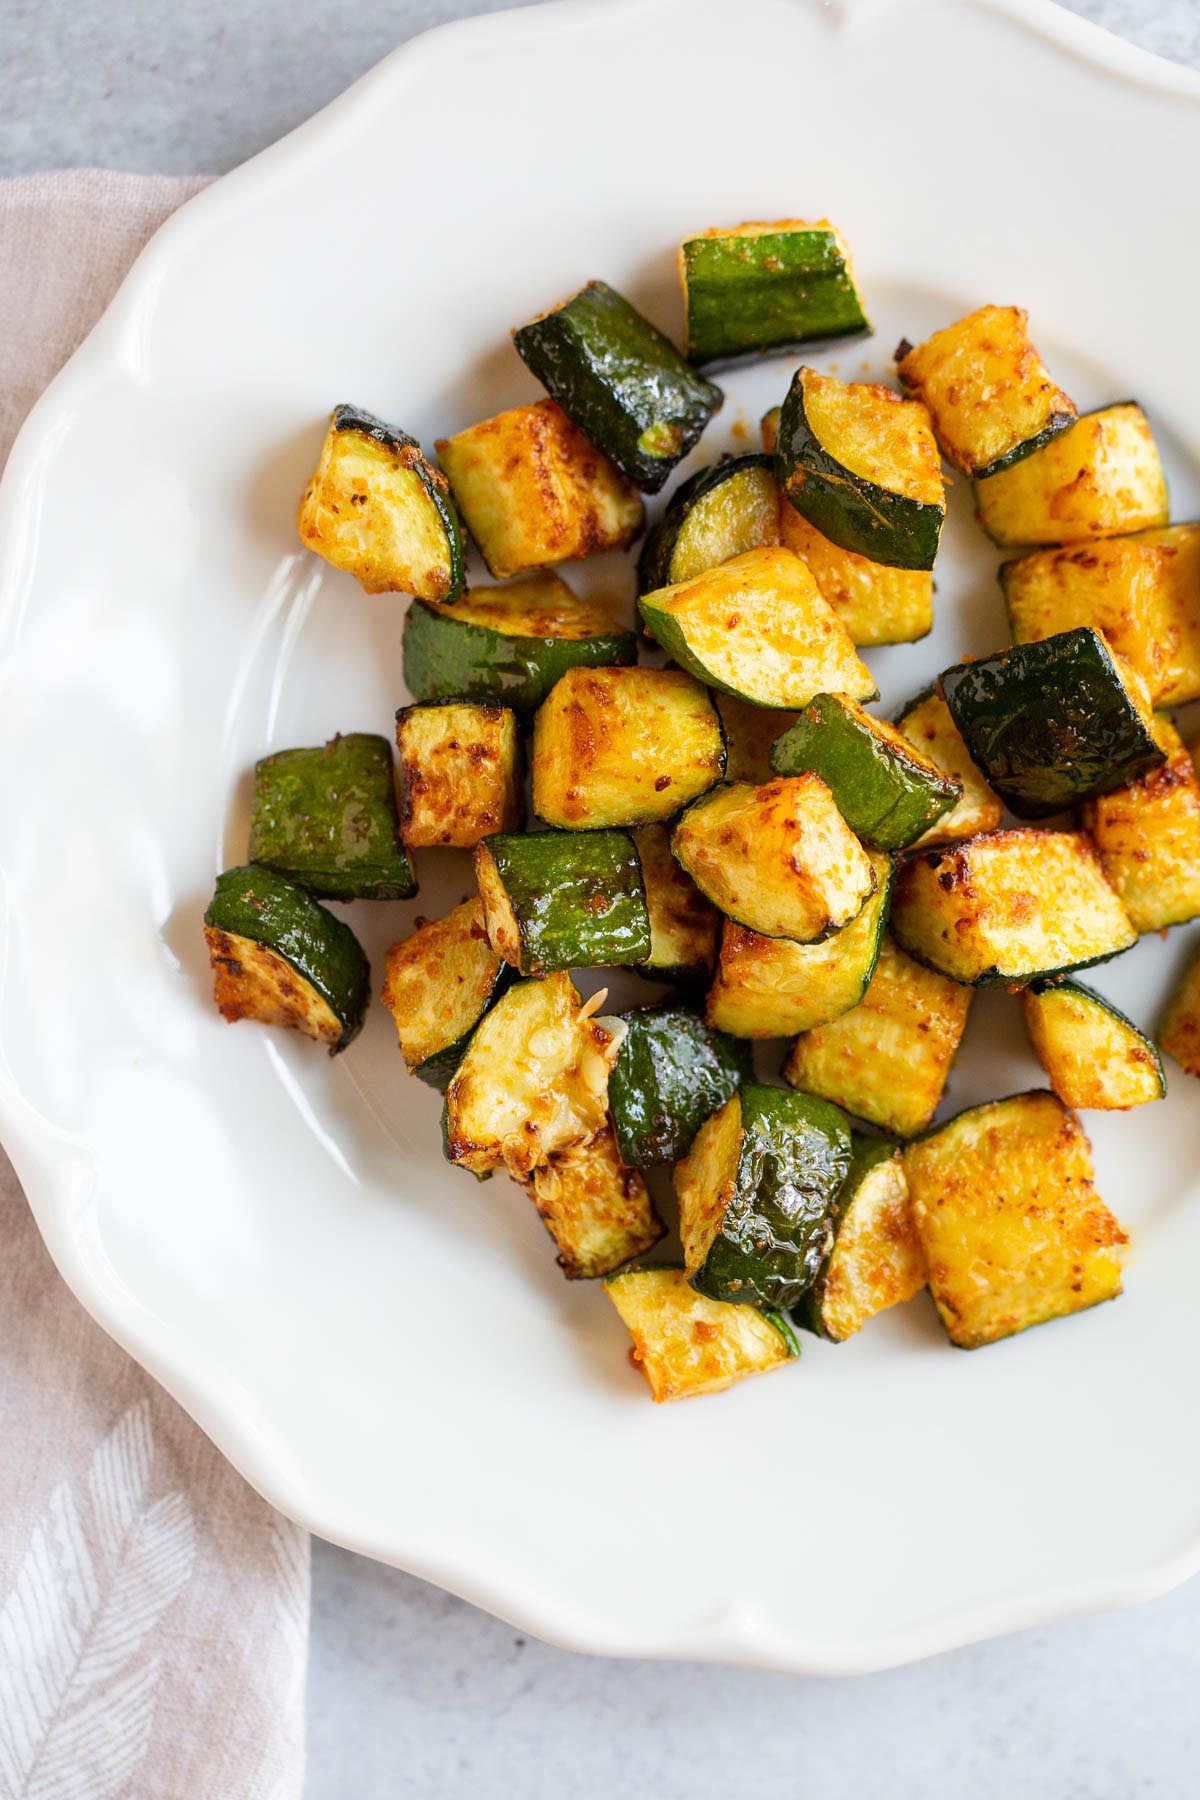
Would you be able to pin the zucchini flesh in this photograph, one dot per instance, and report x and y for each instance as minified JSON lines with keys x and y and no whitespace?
{"x":758,"y":628}
{"x":886,"y":790}
{"x":1013,"y":1230}
{"x":376,"y":508}
{"x":1099,"y":478}
{"x":622,"y":382}
{"x":779,"y":859}
{"x":671,"y":1073}
{"x":770,"y":987}
{"x":989,"y":394}
{"x":280,"y":957}
{"x":888,"y":1058}
{"x":859,"y":462}
{"x":766,"y":286}
{"x":563,"y":900}
{"x":623,"y":747}
{"x":1055,"y":723}
{"x":686,"y":1344}
{"x":926,"y":722}
{"x":1180,"y":1034}
{"x":1148,"y":836}
{"x":875,"y":1260}
{"x":459,"y":772}
{"x":719,"y":512}
{"x":749,"y":733}
{"x":438,"y":983}
{"x":1007,"y":907}
{"x":597,"y":1210}
{"x":1092,"y":1054}
{"x":326,"y":818}
{"x":533,"y":491}
{"x":683,"y":924}
{"x":755,"y":1195}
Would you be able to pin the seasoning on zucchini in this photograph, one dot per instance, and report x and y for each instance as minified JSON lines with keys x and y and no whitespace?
{"x":989,"y":394}
{"x":1100,"y":477}
{"x":460,"y":772}
{"x":671,"y":1073}
{"x":376,"y":508}
{"x":623,"y":747}
{"x":749,"y":733}
{"x":887,"y":1059}
{"x":1055,"y":723}
{"x":755,"y":1195}
{"x":718,"y":513}
{"x":1002,"y":909}
{"x":875,"y":1260}
{"x":1013,"y":1230}
{"x":683,"y":924}
{"x":326,"y":818}
{"x":753,"y":289}
{"x":1148,"y":836}
{"x":1180,"y":1034}
{"x":1092,"y":1054}
{"x":598,"y":1211}
{"x":533,"y":491}
{"x":622,"y":382}
{"x":779,"y":859}
{"x":438,"y":983}
{"x":510,"y":644}
{"x":563,"y":899}
{"x":926,"y":722}
{"x":758,"y":628}
{"x":859,"y":462}
{"x":886,"y":790}
{"x":686,"y":1344}
{"x":280,"y":957}
{"x":769,"y":987}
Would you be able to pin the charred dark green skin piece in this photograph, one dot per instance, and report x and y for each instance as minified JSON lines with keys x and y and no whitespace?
{"x":752,"y":296}
{"x":452,"y":659}
{"x":1050,"y":724}
{"x":885,"y":797}
{"x":623,"y":383}
{"x":672,"y":1072}
{"x":257,"y":903}
{"x":326,"y":818}
{"x":794,"y":1157}
{"x":658,"y":552}
{"x":865,"y":1154}
{"x":849,"y":510}
{"x":578,"y":898}
{"x":434,"y":483}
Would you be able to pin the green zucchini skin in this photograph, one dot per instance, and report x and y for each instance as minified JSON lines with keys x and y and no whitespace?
{"x":622,"y":382}
{"x":577,"y":897}
{"x":266,"y":907}
{"x":667,"y":540}
{"x":671,"y":1073}
{"x":887,"y":798}
{"x":326,"y":818}
{"x":1050,"y":724}
{"x":366,"y":424}
{"x":450,"y":659}
{"x":865,"y":1154}
{"x":751,"y":296}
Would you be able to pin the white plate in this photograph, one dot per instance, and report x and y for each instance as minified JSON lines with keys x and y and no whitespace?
{"x":386,"y":1350}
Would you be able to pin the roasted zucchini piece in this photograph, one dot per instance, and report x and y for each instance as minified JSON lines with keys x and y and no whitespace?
{"x":533,"y":1081}
{"x":510,"y":644}
{"x":683,"y":924}
{"x":859,"y":462}
{"x":438,"y":983}
{"x":926,"y":722}
{"x":755,"y":1195}
{"x":533,"y":491}
{"x":377,"y":509}
{"x":460,"y":772}
{"x":1180,"y":1034}
{"x":887,"y":791}
{"x":989,"y":394}
{"x":1092,"y":1054}
{"x":671,"y":1073}
{"x":686,"y":1344}
{"x":1100,"y":477}
{"x":1148,"y":836}
{"x":779,"y":859}
{"x":1003,"y":909}
{"x":875,"y":1260}
{"x":326,"y":818}
{"x":622,"y":382}
{"x":754,"y":289}
{"x":1055,"y":723}
{"x":887,"y":1059}
{"x":769,"y":987}
{"x":1013,"y":1230}
{"x":750,"y":732}
{"x":623,"y":747}
{"x":720,"y":512}
{"x":564,"y":899}
{"x":758,"y":628}
{"x":280,"y":957}
{"x":598,"y":1211}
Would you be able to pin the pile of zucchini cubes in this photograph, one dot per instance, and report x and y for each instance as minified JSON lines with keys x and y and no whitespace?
{"x":732,"y":820}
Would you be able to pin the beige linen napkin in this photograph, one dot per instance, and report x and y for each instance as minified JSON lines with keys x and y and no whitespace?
{"x":153,"y":1610}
